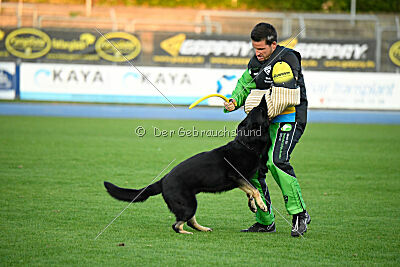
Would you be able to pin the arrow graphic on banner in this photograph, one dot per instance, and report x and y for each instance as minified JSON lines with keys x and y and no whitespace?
{"x":173,"y":45}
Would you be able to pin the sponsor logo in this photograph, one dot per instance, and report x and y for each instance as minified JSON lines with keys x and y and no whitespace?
{"x":62,"y":76}
{"x":394,"y":53}
{"x":253,"y":73}
{"x":286,"y":128}
{"x":282,"y":140}
{"x":289,"y":43}
{"x":226,"y":84}
{"x":332,"y":51}
{"x":173,"y":45}
{"x":285,"y":198}
{"x":282,"y":73}
{"x":85,"y":40}
{"x":130,"y":77}
{"x":181,"y":45}
{"x":41,"y":75}
{"x":268,"y":81}
{"x":6,"y":80}
{"x":164,"y":78}
{"x":28,"y":43}
{"x":267,"y":69}
{"x":128,"y":46}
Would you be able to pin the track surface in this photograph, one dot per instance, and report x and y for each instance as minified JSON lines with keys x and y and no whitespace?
{"x":168,"y":112}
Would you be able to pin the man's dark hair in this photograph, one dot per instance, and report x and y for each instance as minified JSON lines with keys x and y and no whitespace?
{"x":264,"y":31}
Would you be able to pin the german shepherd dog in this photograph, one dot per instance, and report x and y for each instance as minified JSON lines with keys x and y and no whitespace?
{"x":222,"y":169}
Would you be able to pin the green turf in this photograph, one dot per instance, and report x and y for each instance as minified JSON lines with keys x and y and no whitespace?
{"x":53,"y":204}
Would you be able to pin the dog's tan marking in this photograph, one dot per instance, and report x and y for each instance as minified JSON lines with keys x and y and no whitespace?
{"x":179,"y":226}
{"x":197,"y":226}
{"x":252,"y":204}
{"x":253,"y":192}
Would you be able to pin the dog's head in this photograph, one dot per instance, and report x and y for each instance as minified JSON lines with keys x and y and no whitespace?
{"x":253,"y":130}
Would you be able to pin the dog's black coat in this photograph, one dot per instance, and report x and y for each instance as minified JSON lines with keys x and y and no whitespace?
{"x":208,"y":171}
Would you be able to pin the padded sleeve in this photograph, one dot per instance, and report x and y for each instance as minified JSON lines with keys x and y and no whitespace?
{"x":280,"y":98}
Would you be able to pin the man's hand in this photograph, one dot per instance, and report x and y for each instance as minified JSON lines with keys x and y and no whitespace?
{"x":230,"y":106}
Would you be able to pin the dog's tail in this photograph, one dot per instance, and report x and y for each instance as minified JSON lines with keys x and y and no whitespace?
{"x":133,"y":195}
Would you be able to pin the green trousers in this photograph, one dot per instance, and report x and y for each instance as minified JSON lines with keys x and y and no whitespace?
{"x":284,"y":136}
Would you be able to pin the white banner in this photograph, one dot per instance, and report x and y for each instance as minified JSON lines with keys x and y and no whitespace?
{"x":123,"y":84}
{"x":7,"y":80}
{"x":339,"y":90}
{"x":353,"y":90}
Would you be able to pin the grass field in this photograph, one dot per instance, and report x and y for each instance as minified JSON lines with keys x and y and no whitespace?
{"x":53,"y":203}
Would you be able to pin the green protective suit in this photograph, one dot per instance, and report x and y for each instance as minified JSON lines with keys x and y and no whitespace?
{"x":285,"y":131}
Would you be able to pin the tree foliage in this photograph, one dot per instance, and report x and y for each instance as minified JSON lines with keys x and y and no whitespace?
{"x":265,"y":5}
{"x":365,"y":6}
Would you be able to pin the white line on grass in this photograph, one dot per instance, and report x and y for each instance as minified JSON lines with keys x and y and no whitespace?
{"x":134,"y":67}
{"x":133,"y":200}
{"x":265,"y":199}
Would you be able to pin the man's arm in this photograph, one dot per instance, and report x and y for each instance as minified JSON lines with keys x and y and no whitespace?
{"x":242,"y":90}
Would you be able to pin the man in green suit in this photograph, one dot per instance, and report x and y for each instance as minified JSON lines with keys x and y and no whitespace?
{"x":277,"y":70}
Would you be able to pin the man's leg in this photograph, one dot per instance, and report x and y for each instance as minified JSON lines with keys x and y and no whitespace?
{"x":258,"y":181}
{"x":283,"y":142}
{"x":284,"y":137}
{"x":264,"y":220}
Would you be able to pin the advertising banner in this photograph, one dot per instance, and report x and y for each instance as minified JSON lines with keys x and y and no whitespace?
{"x":8,"y":80}
{"x":337,"y":55}
{"x":123,"y":84}
{"x":359,"y":90}
{"x":201,"y":50}
{"x":39,"y":45}
{"x":175,"y":49}
{"x":234,"y":52}
{"x":394,"y":53}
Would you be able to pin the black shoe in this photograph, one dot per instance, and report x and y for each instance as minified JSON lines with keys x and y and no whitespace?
{"x":308,"y":217}
{"x":300,"y":221}
{"x":258,"y":227}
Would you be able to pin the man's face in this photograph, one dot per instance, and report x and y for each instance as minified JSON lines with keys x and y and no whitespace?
{"x":262,"y":50}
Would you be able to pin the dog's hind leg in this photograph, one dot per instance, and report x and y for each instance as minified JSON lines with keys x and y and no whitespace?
{"x":183,"y":204}
{"x":178,"y":227}
{"x":195,"y":225}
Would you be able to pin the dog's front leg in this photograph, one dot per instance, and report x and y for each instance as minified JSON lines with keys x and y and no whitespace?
{"x":253,"y":192}
{"x":251,"y":203}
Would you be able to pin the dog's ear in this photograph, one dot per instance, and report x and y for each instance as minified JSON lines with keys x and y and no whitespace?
{"x":263,"y":103}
